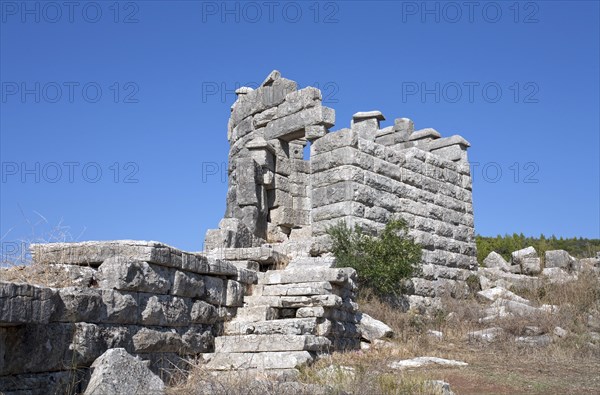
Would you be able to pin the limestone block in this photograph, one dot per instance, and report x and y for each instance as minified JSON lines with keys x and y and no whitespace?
{"x":203,"y":313}
{"x":366,"y":128}
{"x":372,"y":329}
{"x":331,"y":141}
{"x":425,"y":134}
{"x":242,"y":129}
{"x":119,"y":307}
{"x":288,"y":326}
{"x":299,"y":289}
{"x":304,"y":312}
{"x":262,"y":118}
{"x":118,"y":372}
{"x":262,"y":361}
{"x":447,"y":142}
{"x":164,"y":310}
{"x":188,"y":284}
{"x":558,"y":258}
{"x":131,"y":275}
{"x":496,"y":260}
{"x":518,"y":256}
{"x":23,"y":352}
{"x":24,"y":303}
{"x":314,"y":132}
{"x":304,"y":275}
{"x":279,"y":198}
{"x":270,"y":343}
{"x":234,"y":293}
{"x":191,"y":341}
{"x":299,"y":100}
{"x":292,"y":126}
{"x":261,"y":99}
{"x":531,"y":266}
{"x":215,"y":291}
{"x":93,"y":253}
{"x":454,"y":153}
{"x":81,"y":304}
{"x":403,"y":129}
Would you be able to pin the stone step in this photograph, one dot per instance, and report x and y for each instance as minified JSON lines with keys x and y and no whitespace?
{"x":305,"y":262}
{"x":294,"y":302}
{"x":256,"y":312}
{"x":307,"y":274}
{"x":261,"y":360}
{"x":263,"y":343}
{"x":298,"y":289}
{"x":287,"y":326}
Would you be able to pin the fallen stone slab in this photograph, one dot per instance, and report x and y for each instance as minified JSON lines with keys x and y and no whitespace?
{"x":493,"y":294}
{"x":517,"y":308}
{"x":518,"y":256}
{"x":487,"y":335}
{"x":558,"y":259}
{"x":372,"y":329}
{"x":556,"y":275}
{"x":496,"y":260}
{"x":117,"y":372}
{"x":534,"y":341}
{"x":425,"y":361}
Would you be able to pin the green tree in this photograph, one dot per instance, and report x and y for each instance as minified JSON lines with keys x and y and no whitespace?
{"x":381,"y":262}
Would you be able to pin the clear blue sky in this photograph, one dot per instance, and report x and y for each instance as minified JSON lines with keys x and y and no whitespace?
{"x":167,"y":77}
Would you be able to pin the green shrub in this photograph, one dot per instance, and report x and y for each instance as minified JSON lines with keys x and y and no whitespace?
{"x":381,"y":262}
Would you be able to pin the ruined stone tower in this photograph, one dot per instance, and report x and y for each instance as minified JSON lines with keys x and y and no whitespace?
{"x":363,"y":175}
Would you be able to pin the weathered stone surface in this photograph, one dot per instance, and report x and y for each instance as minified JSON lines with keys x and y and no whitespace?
{"x":487,"y":335}
{"x":496,"y":260}
{"x":372,"y":329}
{"x":288,"y":326}
{"x":425,"y":361}
{"x":493,"y":294}
{"x":298,"y":289}
{"x":24,"y":303}
{"x":270,"y":343}
{"x":118,"y":372}
{"x":305,"y":275}
{"x":292,"y":126}
{"x":132,"y":275}
{"x":93,"y":253}
{"x":557,"y":258}
{"x":519,"y":255}
{"x":261,"y":360}
{"x":531,"y":266}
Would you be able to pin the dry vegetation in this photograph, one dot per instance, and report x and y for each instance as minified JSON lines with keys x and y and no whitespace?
{"x":569,"y":365}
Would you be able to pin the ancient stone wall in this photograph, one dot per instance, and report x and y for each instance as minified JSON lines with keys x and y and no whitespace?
{"x":153,"y":300}
{"x":363,"y":175}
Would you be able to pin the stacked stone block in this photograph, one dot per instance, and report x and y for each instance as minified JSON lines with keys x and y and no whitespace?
{"x":151,"y":299}
{"x":268,"y":195}
{"x":292,"y":316}
{"x":365,"y":183}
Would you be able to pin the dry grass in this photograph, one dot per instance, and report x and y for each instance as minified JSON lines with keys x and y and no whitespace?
{"x":569,"y":365}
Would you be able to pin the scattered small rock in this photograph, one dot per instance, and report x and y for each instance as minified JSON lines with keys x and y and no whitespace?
{"x":436,"y":334}
{"x":488,"y":334}
{"x":372,"y":329}
{"x":560,"y":332}
{"x":534,"y":341}
{"x":437,"y":387}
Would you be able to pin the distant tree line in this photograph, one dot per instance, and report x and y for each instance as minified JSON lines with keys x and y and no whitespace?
{"x":504,"y":245}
